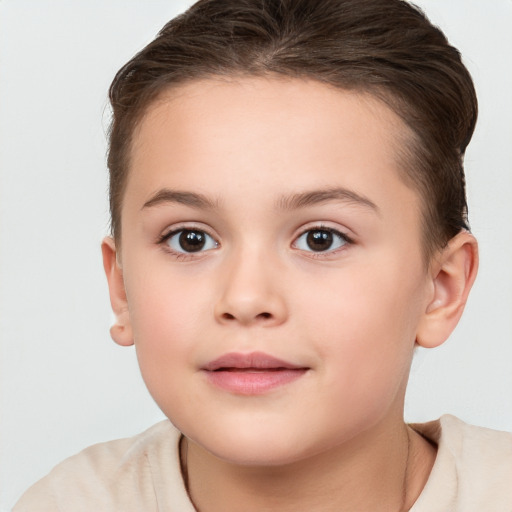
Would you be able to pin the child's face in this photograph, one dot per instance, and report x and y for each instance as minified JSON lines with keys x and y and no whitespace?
{"x":304,"y":245}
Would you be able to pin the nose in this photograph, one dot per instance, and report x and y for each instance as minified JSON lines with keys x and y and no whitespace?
{"x":251,"y":293}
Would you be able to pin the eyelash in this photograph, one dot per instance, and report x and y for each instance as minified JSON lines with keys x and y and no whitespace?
{"x":342,"y":237}
{"x":184,"y":255}
{"x":163,"y":241}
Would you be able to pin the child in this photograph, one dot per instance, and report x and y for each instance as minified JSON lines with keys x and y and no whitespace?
{"x":288,"y":223}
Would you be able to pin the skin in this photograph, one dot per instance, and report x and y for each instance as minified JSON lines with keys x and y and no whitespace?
{"x":333,"y":439}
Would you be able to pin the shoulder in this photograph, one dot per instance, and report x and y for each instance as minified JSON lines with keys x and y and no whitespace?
{"x":468,"y":441}
{"x":125,"y":474}
{"x":475,"y":451}
{"x":473,"y":467}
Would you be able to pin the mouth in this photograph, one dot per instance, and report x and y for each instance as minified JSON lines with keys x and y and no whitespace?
{"x":251,"y":374}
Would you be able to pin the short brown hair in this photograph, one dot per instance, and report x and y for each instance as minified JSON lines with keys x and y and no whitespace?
{"x":387,"y":48}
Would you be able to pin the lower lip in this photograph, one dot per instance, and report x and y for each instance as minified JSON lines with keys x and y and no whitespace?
{"x":247,"y":382}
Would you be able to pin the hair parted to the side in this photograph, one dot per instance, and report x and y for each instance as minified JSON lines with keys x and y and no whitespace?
{"x":387,"y":48}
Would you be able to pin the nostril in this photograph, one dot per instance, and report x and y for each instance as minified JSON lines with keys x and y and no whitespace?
{"x":262,"y":316}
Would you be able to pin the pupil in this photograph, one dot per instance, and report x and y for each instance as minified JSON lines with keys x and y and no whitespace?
{"x":319,"y":240}
{"x":192,"y":241}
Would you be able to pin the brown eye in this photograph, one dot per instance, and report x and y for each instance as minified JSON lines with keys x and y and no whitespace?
{"x":321,"y":240}
{"x":190,"y":240}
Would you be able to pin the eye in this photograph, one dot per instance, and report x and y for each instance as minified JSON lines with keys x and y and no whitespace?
{"x":321,"y":240}
{"x":190,"y":240}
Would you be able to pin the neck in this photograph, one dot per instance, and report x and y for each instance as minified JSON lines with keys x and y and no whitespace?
{"x":380,"y":470}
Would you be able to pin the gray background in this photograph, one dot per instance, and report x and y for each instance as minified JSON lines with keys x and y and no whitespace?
{"x":64,"y":384}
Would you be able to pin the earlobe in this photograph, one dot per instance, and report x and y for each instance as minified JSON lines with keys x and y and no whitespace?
{"x":121,"y":331}
{"x":453,"y":273}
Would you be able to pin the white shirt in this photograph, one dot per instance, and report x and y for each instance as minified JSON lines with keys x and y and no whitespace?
{"x":472,"y":473}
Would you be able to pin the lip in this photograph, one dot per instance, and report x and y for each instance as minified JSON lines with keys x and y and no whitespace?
{"x":254,"y":373}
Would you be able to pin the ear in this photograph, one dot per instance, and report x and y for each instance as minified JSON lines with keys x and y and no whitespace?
{"x":453,"y":272}
{"x":121,"y":331}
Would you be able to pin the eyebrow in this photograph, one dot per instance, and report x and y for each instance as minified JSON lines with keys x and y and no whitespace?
{"x":310,"y":198}
{"x":291,"y":202}
{"x":192,"y":199}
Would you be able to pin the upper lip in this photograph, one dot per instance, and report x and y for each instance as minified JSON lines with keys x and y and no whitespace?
{"x":257,"y":360}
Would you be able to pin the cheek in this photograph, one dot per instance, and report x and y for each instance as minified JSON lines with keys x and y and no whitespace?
{"x":159,"y":314}
{"x":364,"y":328}
{"x":361,"y":301}
{"x":166,"y":315}
{"x":164,"y":303}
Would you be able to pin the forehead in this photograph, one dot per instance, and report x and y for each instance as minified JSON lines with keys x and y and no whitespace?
{"x":279,"y":136}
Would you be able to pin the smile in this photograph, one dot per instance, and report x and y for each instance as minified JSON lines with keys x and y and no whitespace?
{"x":251,"y":374}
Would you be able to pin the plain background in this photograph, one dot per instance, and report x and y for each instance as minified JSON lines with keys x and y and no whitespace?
{"x":64,"y":384}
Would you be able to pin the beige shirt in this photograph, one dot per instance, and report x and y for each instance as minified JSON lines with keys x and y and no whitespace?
{"x":472,"y":473}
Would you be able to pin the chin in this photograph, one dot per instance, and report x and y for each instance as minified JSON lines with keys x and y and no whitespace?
{"x":258,"y":447}
{"x":257,"y":456}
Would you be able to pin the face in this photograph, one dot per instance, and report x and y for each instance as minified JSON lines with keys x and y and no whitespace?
{"x":272,"y":265}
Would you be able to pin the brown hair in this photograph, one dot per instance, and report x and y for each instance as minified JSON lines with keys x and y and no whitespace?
{"x":387,"y":48}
